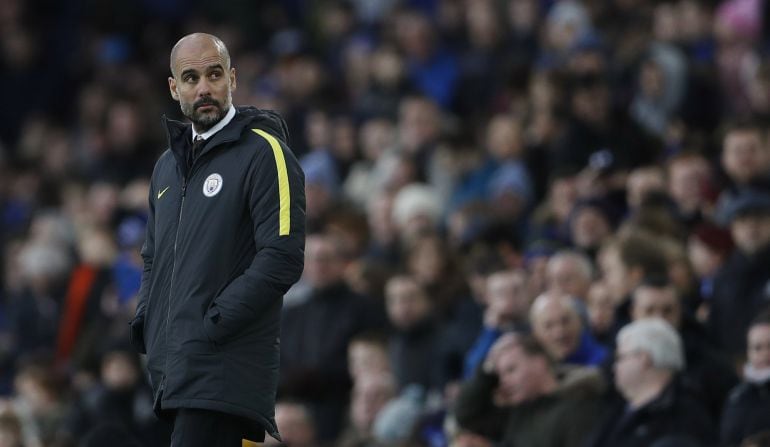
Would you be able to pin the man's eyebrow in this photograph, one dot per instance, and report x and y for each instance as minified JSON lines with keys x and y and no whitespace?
{"x":207,"y":69}
{"x":188,"y":71}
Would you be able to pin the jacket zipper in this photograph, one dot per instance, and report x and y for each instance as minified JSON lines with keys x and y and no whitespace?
{"x":173,"y":264}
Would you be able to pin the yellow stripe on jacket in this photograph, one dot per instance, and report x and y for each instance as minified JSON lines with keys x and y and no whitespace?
{"x":284,"y":197}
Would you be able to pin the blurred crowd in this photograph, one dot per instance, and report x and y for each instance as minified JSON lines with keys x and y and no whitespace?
{"x":531,"y":222}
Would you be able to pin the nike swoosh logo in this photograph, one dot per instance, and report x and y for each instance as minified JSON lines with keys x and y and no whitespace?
{"x":160,"y":194}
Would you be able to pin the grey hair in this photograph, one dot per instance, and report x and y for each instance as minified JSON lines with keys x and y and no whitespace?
{"x":658,"y":339}
{"x":583,"y":262}
{"x":221,"y":48}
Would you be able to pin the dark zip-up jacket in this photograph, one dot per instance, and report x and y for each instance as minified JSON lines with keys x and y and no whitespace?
{"x":225,"y":241}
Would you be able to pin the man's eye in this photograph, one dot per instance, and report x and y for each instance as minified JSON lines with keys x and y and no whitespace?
{"x":215,"y":75}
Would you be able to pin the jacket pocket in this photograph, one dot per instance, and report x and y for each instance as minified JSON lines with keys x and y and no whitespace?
{"x":215,"y":332}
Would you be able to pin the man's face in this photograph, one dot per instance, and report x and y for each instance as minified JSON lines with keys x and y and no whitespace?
{"x":590,"y":227}
{"x":202,"y":82}
{"x":507,"y":293}
{"x":406,"y":302}
{"x":614,"y":273}
{"x":629,"y":368}
{"x":564,"y":277}
{"x":743,"y":156}
{"x":295,"y":424}
{"x":751,"y":232}
{"x":759,"y":346}
{"x":601,"y":307}
{"x":655,"y":302}
{"x":323,"y":264}
{"x":557,"y":326}
{"x":519,"y":375}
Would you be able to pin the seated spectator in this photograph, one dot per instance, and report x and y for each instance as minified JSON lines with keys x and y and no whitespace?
{"x":368,"y":354}
{"x":508,"y":304}
{"x":591,"y":223}
{"x":624,"y":262}
{"x":315,"y":336}
{"x":740,"y":287}
{"x":601,"y":313}
{"x":708,"y":247}
{"x":747,"y":411}
{"x":518,"y":398}
{"x":371,"y":393}
{"x":745,"y":157}
{"x":570,"y":273}
{"x":557,"y":326}
{"x":649,"y":356}
{"x":121,"y":396}
{"x":414,"y":341}
{"x":706,"y":371}
{"x":296,"y":424}
{"x":40,"y":403}
{"x":689,"y":180}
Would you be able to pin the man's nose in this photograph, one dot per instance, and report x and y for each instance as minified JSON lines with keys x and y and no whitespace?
{"x":204,"y":88}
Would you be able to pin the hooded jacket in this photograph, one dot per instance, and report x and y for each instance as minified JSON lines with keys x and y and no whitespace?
{"x":225,"y":240}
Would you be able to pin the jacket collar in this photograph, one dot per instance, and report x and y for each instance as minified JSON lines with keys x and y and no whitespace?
{"x":179,"y":136}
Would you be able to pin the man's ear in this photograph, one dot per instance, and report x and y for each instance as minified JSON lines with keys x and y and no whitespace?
{"x":172,"y":88}
{"x":233,"y":83}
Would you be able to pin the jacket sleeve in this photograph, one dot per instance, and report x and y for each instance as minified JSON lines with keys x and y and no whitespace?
{"x":136,"y":333}
{"x":276,"y":199}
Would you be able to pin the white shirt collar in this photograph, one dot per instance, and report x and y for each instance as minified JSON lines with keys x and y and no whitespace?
{"x":217,"y":127}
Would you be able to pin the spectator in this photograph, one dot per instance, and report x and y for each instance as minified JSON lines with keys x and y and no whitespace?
{"x":649,"y":356}
{"x":641,"y":182}
{"x":624,"y":262}
{"x":121,"y":396}
{"x":747,"y":411}
{"x":558,"y":327}
{"x":708,"y":247}
{"x":690,"y":185}
{"x":530,"y":400}
{"x":315,"y":335}
{"x":570,"y":273}
{"x":705,"y":369}
{"x":414,"y":341}
{"x":745,"y":155}
{"x":740,"y":287}
{"x":508,"y":302}
{"x":601,"y":313}
{"x":370,"y":395}
{"x":368,"y":354}
{"x":296,"y":423}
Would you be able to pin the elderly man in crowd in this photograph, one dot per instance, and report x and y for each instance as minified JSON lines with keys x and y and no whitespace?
{"x":655,"y":407}
{"x":705,"y":370}
{"x":557,"y":325}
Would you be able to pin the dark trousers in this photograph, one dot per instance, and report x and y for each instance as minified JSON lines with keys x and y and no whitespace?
{"x":206,"y":428}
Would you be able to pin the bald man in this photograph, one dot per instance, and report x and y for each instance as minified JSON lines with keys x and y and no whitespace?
{"x":557,"y":325}
{"x":225,"y":240}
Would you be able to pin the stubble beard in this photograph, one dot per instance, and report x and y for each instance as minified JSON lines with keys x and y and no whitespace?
{"x":205,"y":121}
